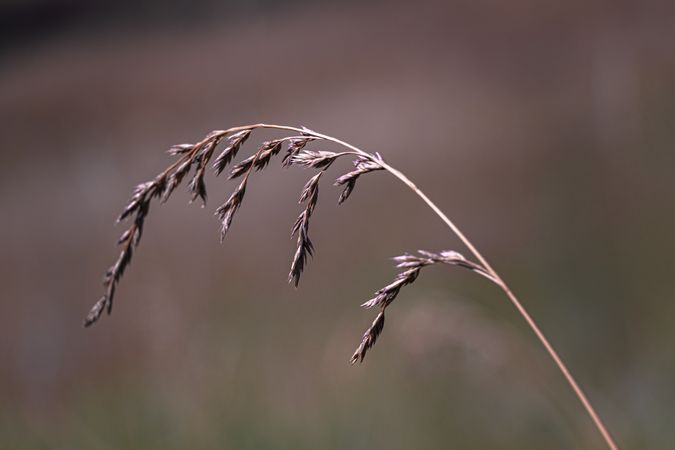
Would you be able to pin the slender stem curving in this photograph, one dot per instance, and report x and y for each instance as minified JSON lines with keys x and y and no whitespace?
{"x":519,"y":306}
{"x":502,"y":284}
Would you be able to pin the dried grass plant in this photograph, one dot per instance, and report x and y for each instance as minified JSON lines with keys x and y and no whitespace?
{"x":192,"y":160}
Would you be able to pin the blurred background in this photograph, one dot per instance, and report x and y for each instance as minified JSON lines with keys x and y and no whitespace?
{"x":545,"y":130}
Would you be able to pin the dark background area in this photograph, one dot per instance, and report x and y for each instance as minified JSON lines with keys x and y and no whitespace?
{"x":544,"y":130}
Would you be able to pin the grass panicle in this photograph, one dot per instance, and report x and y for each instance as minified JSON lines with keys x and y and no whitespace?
{"x":195,"y":158}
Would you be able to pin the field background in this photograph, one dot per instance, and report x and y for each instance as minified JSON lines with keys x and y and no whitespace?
{"x":545,"y":130}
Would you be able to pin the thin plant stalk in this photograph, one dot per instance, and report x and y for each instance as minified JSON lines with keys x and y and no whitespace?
{"x":472,"y":248}
{"x":519,"y":306}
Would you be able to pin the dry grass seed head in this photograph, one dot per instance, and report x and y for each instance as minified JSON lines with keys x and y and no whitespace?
{"x":198,"y":156}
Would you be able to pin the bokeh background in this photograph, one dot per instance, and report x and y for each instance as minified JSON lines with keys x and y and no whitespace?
{"x":545,"y":129}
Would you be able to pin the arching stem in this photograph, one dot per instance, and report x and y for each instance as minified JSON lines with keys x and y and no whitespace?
{"x":502,"y":284}
{"x":521,"y":309}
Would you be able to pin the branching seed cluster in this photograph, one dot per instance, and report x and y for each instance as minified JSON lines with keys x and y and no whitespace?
{"x":413,"y":265}
{"x":193,"y":160}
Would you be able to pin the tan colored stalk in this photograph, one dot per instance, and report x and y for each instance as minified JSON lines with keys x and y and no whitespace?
{"x":511,"y":296}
